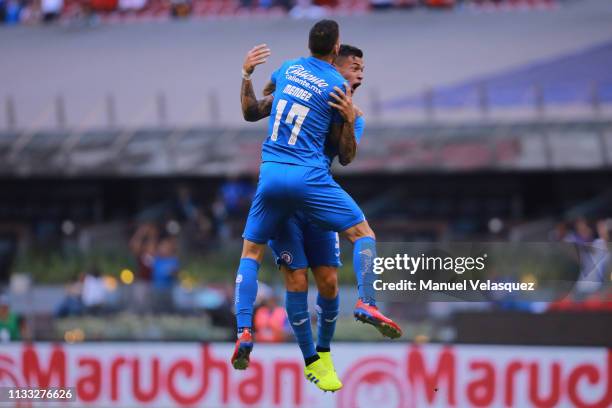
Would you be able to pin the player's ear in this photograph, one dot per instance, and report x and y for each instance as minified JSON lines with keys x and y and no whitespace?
{"x":337,"y":48}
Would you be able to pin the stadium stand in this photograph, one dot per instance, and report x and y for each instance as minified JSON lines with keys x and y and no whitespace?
{"x":126,"y":11}
{"x":581,"y":78}
{"x":440,"y":148}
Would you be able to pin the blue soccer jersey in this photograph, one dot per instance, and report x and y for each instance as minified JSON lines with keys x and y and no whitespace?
{"x":299,"y":243}
{"x":294,"y":174}
{"x":301,"y":116}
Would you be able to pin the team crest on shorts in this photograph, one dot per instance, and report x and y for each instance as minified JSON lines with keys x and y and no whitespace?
{"x":286,"y":257}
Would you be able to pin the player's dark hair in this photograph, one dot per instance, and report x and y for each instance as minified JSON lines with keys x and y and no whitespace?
{"x":349,"y":50}
{"x":323,"y":37}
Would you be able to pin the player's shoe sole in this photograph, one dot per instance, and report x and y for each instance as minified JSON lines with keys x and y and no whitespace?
{"x":241,"y":357}
{"x":384,"y":325}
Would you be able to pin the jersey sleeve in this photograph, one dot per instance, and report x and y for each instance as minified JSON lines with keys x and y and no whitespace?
{"x":359,"y":127}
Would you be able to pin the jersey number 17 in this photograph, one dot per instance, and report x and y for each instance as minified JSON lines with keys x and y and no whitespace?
{"x":297,"y":112}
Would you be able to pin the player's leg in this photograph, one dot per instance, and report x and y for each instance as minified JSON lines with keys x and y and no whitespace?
{"x":296,"y":303}
{"x":316,"y":369}
{"x":245,"y":294}
{"x":332,"y":208}
{"x":327,"y":311}
{"x":323,"y":253}
{"x":267,"y":210}
{"x":364,"y":252}
{"x":288,"y":249}
{"x":326,"y":278}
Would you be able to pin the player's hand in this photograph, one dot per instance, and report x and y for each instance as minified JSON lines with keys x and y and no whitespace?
{"x":344,"y":103}
{"x":258,"y":55}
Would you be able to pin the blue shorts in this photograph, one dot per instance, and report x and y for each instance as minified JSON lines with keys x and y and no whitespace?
{"x":299,"y":244}
{"x":284,"y":189}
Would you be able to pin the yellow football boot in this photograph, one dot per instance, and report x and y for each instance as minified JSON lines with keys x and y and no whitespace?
{"x":322,"y":374}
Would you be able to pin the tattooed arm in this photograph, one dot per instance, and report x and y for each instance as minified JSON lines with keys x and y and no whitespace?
{"x":269,"y":88}
{"x":252,"y":108}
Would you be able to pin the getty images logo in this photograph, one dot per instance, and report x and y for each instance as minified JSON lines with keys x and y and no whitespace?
{"x":301,"y":72}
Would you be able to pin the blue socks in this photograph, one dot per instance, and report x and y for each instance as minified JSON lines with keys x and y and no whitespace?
{"x":327,"y":310}
{"x":246,"y":291}
{"x":364,"y":252}
{"x":297,"y":310}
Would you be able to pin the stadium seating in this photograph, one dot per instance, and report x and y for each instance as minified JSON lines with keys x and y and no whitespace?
{"x":580,"y":78}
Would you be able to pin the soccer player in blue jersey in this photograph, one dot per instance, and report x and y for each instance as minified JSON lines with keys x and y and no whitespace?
{"x":299,"y":244}
{"x":295,"y":176}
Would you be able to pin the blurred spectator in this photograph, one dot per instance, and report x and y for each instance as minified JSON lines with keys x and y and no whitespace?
{"x":181,"y":8}
{"x":185,"y":206}
{"x":143,"y":245}
{"x":284,"y":4}
{"x":13,"y":11}
{"x":326,"y":3}
{"x":593,"y":254}
{"x":237,"y":195}
{"x":601,"y":249}
{"x":11,"y":326}
{"x":305,"y":9}
{"x":101,"y":5}
{"x":218,"y":303}
{"x":560,"y":233}
{"x":51,"y":9}
{"x":219,"y":214}
{"x":72,"y":304}
{"x":2,"y":10}
{"x":271,"y":322}
{"x":165,"y":269}
{"x":440,"y":3}
{"x":30,"y":13}
{"x":94,"y":291}
{"x":132,"y":4}
{"x":381,"y":4}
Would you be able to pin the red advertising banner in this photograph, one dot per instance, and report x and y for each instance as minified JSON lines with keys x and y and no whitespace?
{"x":374,"y":375}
